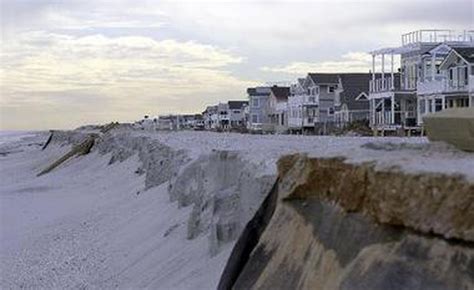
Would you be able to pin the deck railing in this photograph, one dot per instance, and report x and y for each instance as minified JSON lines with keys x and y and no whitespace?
{"x":381,"y":85}
{"x":437,"y":35}
{"x":444,"y":86}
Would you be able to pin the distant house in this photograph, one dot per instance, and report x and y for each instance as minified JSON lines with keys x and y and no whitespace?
{"x":223,"y":117}
{"x":323,"y":87}
{"x":210,"y":119}
{"x":278,"y":109}
{"x":299,"y":106}
{"x":311,"y":102}
{"x":167,"y":122}
{"x":258,"y":108}
{"x":352,"y":98}
{"x":237,"y":114}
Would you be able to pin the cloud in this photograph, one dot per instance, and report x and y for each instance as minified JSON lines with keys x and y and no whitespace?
{"x":349,"y":62}
{"x":127,"y":74}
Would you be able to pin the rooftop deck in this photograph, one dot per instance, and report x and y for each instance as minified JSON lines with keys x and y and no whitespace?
{"x":415,"y":39}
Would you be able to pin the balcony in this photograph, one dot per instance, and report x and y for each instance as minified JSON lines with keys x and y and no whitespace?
{"x":444,"y":86}
{"x":430,"y":86}
{"x":381,"y":85}
{"x":452,"y":87}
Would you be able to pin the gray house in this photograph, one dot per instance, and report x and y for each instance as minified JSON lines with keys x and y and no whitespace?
{"x":323,"y":87}
{"x":259,"y":105}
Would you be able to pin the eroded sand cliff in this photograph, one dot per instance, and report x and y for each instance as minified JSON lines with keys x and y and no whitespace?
{"x":348,"y":226}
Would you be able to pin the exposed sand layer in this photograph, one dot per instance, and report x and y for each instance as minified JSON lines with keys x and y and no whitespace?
{"x":345,"y":226}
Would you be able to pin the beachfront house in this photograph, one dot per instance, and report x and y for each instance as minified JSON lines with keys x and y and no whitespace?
{"x":303,"y":105}
{"x":278,"y":109}
{"x":393,"y":98}
{"x":237,"y":114}
{"x":352,"y":99}
{"x":223,"y":118}
{"x":210,"y":117}
{"x":446,"y":79}
{"x":297,"y":100}
{"x":258,"y":108}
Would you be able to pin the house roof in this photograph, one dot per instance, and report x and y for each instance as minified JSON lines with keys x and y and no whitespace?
{"x":258,"y":91}
{"x":301,"y":82}
{"x":465,"y":52}
{"x":280,"y":93}
{"x":237,"y":105}
{"x":324,"y":78}
{"x":353,"y":84}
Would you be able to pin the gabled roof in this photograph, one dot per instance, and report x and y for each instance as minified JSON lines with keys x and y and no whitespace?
{"x":353,"y":84}
{"x":324,"y":78}
{"x":280,"y":93}
{"x":465,"y":52}
{"x":237,"y":105}
{"x":301,"y":82}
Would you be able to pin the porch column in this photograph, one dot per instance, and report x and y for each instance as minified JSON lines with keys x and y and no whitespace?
{"x":392,"y":105}
{"x":383,"y":111}
{"x":443,"y":102}
{"x":383,"y":70}
{"x":372,"y":111}
{"x":426,"y":105}
{"x":418,"y":113}
{"x":392,"y":84}
{"x":433,"y":66}
{"x":373,"y":73}
{"x":433,"y":104}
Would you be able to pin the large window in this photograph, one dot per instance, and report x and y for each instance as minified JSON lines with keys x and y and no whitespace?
{"x":331,"y":89}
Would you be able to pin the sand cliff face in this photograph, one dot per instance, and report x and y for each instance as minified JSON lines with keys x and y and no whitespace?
{"x":325,"y":224}
{"x":223,"y":189}
{"x":346,"y":226}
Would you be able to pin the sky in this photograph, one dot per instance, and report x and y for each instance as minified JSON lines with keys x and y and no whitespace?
{"x":70,"y":63}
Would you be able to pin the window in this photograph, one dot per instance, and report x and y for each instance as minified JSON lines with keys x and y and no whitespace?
{"x":466,"y":76}
{"x":236,"y":111}
{"x":311,"y":99}
{"x":438,"y":105}
{"x":331,"y":111}
{"x":254,"y":118}
{"x":331,"y":89}
{"x":255,"y":102}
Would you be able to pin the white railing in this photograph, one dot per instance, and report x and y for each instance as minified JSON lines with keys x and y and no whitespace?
{"x":441,"y":86}
{"x":451,"y":86}
{"x":430,"y":86}
{"x":381,"y":85}
{"x":437,"y":35}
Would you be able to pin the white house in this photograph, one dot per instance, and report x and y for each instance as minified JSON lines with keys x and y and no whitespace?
{"x":393,"y":97}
